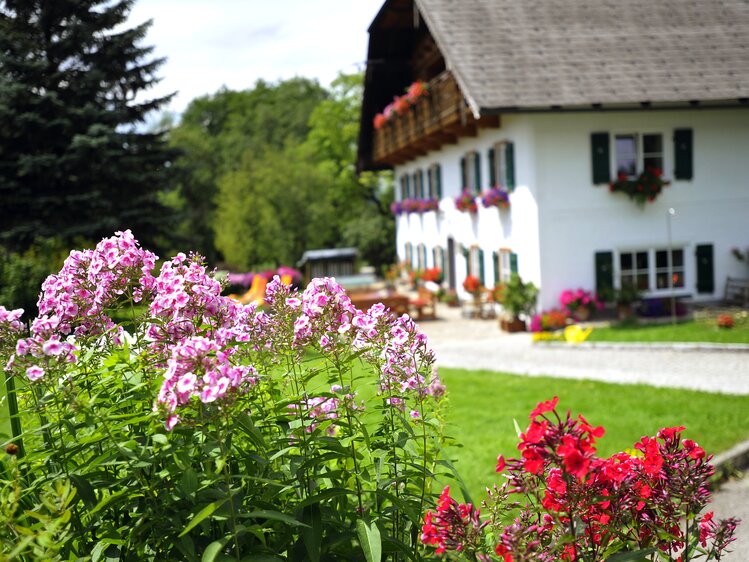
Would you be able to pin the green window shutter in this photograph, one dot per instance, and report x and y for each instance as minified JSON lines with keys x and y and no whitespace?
{"x":443,"y":262}
{"x":513,"y":262}
{"x":495,"y":265}
{"x":438,"y":180}
{"x":477,"y":169}
{"x":421,"y":195}
{"x":408,"y":185}
{"x":605,"y":275}
{"x":482,"y":273}
{"x":683,"y":154}
{"x":705,"y":269}
{"x":510,"y":166}
{"x":430,"y":182}
{"x":492,"y":170}
{"x":463,"y":176}
{"x":467,"y":256}
{"x":600,"y":157}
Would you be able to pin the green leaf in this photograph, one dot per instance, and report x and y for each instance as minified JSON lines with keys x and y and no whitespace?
{"x":369,"y":538}
{"x":213,"y":550}
{"x":84,"y":489}
{"x":312,"y":535}
{"x":202,"y":514}
{"x":274,"y":515}
{"x":160,"y":438}
{"x":635,"y":556}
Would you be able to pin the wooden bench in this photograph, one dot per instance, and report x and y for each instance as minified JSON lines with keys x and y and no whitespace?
{"x":737,"y":291}
{"x":397,"y":303}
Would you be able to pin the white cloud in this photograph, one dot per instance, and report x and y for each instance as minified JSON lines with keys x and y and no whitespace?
{"x":209,"y":44}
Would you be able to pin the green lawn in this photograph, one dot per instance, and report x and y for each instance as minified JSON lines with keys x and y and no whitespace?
{"x":692,"y":331}
{"x":483,"y":405}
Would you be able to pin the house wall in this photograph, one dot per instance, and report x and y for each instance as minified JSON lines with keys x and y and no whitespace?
{"x":491,"y":229}
{"x":577,"y":219}
{"x":558,"y":219}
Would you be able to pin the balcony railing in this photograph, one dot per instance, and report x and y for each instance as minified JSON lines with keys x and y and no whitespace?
{"x":434,"y":120}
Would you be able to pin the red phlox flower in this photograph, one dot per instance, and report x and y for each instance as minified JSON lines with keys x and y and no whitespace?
{"x":668,"y":433}
{"x":652,"y":462}
{"x":596,"y":432}
{"x":693,"y":450}
{"x":575,"y":461}
{"x":500,"y":464}
{"x":543,"y":407}
{"x":535,"y":432}
{"x":534,"y":462}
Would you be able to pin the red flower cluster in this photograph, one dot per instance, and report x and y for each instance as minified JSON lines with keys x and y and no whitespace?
{"x":433,"y":274}
{"x":400,"y":104}
{"x":574,"y":505}
{"x":472,"y":284}
{"x":725,"y":321}
{"x":466,"y":202}
{"x":645,"y":188}
{"x":454,"y":526}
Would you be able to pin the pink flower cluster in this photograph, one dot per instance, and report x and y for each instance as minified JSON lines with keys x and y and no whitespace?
{"x":10,"y":320}
{"x":580,"y":298}
{"x":206,"y":343}
{"x":74,"y":303}
{"x":199,"y":367}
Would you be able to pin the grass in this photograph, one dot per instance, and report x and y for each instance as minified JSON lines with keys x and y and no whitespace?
{"x":691,"y":331}
{"x":483,"y":405}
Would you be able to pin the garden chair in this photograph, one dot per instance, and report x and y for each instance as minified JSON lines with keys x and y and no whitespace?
{"x":425,"y":304}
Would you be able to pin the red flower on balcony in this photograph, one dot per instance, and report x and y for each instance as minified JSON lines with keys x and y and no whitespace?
{"x":466,"y":202}
{"x":380,"y":121}
{"x":644,"y":188}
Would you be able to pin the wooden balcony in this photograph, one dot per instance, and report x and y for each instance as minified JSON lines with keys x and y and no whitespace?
{"x":435,"y":120}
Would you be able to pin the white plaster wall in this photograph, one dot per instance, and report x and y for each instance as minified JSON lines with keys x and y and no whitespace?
{"x":577,"y":218}
{"x":515,"y":228}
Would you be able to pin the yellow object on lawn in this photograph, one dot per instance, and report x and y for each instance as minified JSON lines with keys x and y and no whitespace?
{"x":576,"y":334}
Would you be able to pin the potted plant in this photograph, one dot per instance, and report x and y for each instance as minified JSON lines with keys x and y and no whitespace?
{"x":625,"y":299}
{"x":466,"y":202}
{"x":516,"y":298}
{"x":580,"y":303}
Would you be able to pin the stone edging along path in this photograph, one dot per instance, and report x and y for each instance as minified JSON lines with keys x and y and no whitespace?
{"x":729,"y":462}
{"x":669,"y":346}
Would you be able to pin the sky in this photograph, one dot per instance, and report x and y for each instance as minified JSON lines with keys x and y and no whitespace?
{"x":213,"y":43}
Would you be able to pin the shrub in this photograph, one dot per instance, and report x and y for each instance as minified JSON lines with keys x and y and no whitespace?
{"x":213,"y":429}
{"x":562,"y":502}
{"x":516,"y":297}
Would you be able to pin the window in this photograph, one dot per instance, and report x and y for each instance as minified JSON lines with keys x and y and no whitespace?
{"x":434,"y":182}
{"x":409,"y":254}
{"x":634,"y":270}
{"x":503,"y":267}
{"x":438,"y":257}
{"x":418,"y":185}
{"x":648,"y":270}
{"x":404,"y":187}
{"x":675,"y":268}
{"x":635,"y":153}
{"x":421,"y":257}
{"x":470,"y":170}
{"x":502,"y":165}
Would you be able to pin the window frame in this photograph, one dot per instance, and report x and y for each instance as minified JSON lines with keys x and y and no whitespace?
{"x":653,"y":270}
{"x":639,"y":138}
{"x":469,"y":179}
{"x":504,"y":263}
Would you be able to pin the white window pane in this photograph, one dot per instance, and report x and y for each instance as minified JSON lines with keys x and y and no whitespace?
{"x":626,"y":154}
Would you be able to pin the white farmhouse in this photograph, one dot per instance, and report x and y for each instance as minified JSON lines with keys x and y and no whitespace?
{"x":553,"y":100}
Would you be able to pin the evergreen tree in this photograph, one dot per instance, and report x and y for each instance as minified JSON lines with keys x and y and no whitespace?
{"x":73,"y":162}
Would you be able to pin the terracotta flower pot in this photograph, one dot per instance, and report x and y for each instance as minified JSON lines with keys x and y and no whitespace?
{"x":512,"y":326}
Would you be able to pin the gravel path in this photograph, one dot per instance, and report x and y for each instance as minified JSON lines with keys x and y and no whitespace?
{"x":479,"y":344}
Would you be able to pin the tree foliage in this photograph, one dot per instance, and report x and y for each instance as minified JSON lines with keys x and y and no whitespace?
{"x":72,"y":162}
{"x":269,"y":172}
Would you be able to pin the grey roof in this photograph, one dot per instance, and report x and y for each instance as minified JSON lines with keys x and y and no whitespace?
{"x":326,"y":254}
{"x":542,"y":53}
